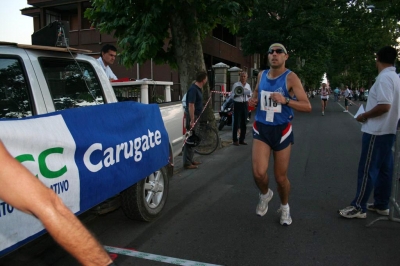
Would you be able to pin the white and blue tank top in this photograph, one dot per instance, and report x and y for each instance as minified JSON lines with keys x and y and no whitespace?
{"x":283,"y":114}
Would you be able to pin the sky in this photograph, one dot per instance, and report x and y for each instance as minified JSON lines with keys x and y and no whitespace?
{"x":14,"y":26}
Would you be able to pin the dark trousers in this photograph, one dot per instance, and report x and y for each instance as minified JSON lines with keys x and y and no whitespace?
{"x":188,"y":151}
{"x":239,"y":119}
{"x":375,"y":171}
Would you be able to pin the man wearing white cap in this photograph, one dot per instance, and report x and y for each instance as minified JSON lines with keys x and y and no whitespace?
{"x":277,"y":93}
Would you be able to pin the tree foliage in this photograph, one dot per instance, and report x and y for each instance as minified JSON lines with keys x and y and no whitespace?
{"x":334,"y":37}
{"x":144,"y":27}
{"x":168,"y":31}
{"x":323,"y":36}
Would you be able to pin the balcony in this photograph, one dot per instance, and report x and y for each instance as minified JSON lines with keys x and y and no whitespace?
{"x":89,"y":37}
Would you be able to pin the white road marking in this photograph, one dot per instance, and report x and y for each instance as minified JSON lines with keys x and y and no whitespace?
{"x":149,"y":256}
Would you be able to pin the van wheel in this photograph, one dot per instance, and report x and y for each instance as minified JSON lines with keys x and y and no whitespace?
{"x":145,"y":200}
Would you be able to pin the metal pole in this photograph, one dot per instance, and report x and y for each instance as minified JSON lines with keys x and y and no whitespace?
{"x":151,"y":68}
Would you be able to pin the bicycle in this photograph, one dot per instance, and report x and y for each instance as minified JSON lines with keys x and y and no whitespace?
{"x":209,"y":139}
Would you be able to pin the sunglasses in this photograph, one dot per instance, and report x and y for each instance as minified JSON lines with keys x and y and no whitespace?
{"x":278,"y":51}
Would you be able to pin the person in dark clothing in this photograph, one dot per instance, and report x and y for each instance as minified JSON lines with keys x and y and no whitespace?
{"x":194,"y":106}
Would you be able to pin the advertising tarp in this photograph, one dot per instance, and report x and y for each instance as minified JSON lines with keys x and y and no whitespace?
{"x":86,"y":155}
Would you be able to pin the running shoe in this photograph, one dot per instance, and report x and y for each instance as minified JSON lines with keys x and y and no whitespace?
{"x":345,"y":111}
{"x":262,"y":206}
{"x":286,"y":219}
{"x":323,"y":114}
{"x":352,"y":212}
{"x":371,"y":207}
{"x":348,"y":208}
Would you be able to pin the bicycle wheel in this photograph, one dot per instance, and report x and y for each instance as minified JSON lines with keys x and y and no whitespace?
{"x":209,"y":139}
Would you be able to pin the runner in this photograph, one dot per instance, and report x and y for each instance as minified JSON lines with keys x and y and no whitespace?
{"x":277,"y":93}
{"x":324,"y":97}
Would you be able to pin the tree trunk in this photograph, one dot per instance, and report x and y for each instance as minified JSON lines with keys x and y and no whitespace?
{"x":189,"y":56}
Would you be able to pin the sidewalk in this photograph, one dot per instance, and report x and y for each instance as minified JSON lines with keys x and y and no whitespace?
{"x":225,"y":139}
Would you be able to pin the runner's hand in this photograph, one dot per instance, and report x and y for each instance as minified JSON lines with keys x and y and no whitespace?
{"x":253,"y":102}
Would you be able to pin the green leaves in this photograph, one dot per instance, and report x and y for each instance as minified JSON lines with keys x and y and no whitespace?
{"x":337,"y":37}
{"x":142,"y":27}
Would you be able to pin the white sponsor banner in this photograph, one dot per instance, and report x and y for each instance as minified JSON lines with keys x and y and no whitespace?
{"x":40,"y":150}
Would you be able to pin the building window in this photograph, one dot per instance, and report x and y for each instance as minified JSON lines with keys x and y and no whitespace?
{"x":51,"y":17}
{"x":86,"y":24}
{"x":224,"y":35}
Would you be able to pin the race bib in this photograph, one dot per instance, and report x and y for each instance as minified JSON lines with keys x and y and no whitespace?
{"x":267,"y":104}
{"x":270,"y":116}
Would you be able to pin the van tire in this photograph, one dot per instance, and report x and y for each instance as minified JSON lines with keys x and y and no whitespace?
{"x":134,"y":201}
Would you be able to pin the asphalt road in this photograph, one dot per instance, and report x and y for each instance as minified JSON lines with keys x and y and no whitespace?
{"x":210,"y":214}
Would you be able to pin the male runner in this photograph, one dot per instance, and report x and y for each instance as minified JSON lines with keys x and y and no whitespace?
{"x":278,"y":90}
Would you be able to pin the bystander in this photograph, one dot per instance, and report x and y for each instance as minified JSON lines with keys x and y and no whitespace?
{"x":375,"y":168}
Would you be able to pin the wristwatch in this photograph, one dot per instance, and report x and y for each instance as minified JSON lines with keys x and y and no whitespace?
{"x":287,"y":100}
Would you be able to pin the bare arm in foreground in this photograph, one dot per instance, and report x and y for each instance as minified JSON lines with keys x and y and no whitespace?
{"x":19,"y":188}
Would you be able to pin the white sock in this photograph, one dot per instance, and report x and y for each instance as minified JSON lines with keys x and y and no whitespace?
{"x":265,"y":195}
{"x":286,"y":207}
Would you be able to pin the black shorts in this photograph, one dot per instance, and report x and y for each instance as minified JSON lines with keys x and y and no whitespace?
{"x":277,"y":137}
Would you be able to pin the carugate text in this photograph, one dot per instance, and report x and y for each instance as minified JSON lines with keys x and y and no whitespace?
{"x":132,"y":148}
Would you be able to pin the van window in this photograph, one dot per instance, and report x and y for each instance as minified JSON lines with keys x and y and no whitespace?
{"x":72,"y":83}
{"x":14,"y":97}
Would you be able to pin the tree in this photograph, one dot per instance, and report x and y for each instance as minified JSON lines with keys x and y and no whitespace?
{"x":360,"y":32}
{"x":296,"y":24}
{"x":168,"y":31}
{"x":337,"y":37}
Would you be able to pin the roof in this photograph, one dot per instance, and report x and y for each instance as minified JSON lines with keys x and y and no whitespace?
{"x":46,"y":48}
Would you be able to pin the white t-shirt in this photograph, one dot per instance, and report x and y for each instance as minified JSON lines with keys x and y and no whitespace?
{"x":324,"y":93}
{"x":246,"y":92}
{"x":386,"y":90}
{"x":107,"y":69}
{"x":347,"y":92}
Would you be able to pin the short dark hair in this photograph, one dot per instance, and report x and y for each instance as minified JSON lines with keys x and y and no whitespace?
{"x":200,"y":76}
{"x":387,"y":55}
{"x":107,"y":48}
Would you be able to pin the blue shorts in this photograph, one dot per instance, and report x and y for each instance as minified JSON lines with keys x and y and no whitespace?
{"x":277,"y":137}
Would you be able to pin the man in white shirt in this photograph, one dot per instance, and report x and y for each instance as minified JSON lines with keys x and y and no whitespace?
{"x":107,"y":58}
{"x":380,"y":120}
{"x":240,"y":107}
{"x":347,"y":94}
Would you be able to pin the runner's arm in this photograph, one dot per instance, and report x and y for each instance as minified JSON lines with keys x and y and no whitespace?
{"x":19,"y":188}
